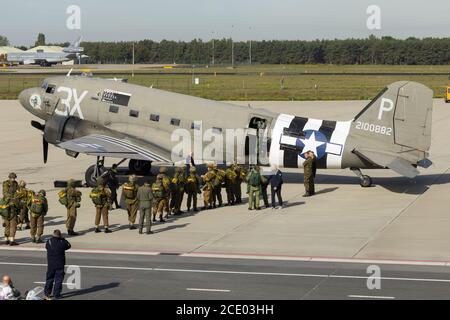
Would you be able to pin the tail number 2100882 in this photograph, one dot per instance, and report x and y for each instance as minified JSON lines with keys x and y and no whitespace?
{"x":370,"y":127}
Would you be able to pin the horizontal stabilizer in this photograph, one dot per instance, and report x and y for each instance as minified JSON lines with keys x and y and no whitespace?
{"x":388,"y":160}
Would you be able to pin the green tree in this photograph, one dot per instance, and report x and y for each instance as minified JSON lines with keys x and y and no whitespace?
{"x":4,"y":41}
{"x":40,"y":40}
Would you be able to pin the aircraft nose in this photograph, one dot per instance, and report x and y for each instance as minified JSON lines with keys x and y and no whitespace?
{"x":31,"y":100}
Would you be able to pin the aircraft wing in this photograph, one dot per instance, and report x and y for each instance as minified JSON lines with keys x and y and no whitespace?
{"x":107,"y":146}
{"x":388,"y":160}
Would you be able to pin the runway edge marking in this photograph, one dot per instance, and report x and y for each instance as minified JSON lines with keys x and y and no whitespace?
{"x":246,"y":256}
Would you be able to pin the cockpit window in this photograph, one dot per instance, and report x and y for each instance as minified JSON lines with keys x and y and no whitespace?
{"x":50,"y":89}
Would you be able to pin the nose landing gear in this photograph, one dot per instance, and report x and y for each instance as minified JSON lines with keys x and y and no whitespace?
{"x":365,"y":181}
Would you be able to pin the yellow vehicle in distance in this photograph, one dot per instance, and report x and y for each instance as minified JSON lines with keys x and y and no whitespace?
{"x":447,"y":94}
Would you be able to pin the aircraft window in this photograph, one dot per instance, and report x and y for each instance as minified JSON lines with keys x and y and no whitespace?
{"x":134,"y":113}
{"x":258,"y":123}
{"x":50,"y":89}
{"x":114,"y":109}
{"x":175,"y":122}
{"x":154,"y":117}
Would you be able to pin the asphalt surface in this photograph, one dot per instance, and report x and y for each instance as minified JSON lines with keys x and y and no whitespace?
{"x":136,"y":277}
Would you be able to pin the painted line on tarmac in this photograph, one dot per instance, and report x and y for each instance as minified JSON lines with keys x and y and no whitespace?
{"x":208,"y":290}
{"x":370,"y":297}
{"x":229,"y":272}
{"x":247,"y":256}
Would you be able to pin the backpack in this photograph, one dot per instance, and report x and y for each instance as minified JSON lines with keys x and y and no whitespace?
{"x":62,"y":197}
{"x":254,"y":179}
{"x":158,"y":190}
{"x":97,"y":196}
{"x":231,"y":175}
{"x":37,"y":205}
{"x":129,"y":191}
{"x":4,"y":208}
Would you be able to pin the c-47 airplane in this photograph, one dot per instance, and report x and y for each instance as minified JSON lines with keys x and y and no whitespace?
{"x":106,"y":118}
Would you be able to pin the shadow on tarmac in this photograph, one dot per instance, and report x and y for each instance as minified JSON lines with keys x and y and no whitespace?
{"x":93,"y":289}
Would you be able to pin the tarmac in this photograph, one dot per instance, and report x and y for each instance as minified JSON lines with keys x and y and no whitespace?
{"x":398,"y":219}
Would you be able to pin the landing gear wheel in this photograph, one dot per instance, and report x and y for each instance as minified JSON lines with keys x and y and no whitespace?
{"x":140,"y":167}
{"x":92,"y":173}
{"x":366,"y":181}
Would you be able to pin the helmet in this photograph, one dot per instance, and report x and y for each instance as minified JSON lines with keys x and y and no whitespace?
{"x":162,"y":170}
{"x":132,"y":178}
{"x":71,"y":183}
{"x":159,"y":177}
{"x":42,"y":193}
{"x":100,"y":182}
{"x":12,"y":175}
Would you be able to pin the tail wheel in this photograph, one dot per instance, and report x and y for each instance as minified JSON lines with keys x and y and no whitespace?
{"x":92,"y":173}
{"x":366,"y":181}
{"x":140,"y":167}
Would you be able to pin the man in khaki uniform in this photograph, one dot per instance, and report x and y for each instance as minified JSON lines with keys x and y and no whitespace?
{"x":254,"y":188}
{"x":101,"y":197}
{"x":230,"y":181}
{"x":217,"y":186}
{"x":309,"y":168}
{"x":178,"y":183}
{"x":237,"y":187}
{"x":129,"y":190}
{"x":168,"y":186}
{"x":10,"y":186}
{"x":160,"y":196}
{"x":145,"y":199}
{"x":208,"y":188}
{"x":23,"y":196}
{"x":73,"y":203}
{"x":192,"y":189}
{"x":38,"y":210}
{"x":10,"y":219}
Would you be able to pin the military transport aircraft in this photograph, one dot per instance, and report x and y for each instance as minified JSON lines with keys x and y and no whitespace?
{"x":107,"y":118}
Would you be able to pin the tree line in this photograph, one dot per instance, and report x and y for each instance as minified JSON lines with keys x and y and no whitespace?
{"x":372,"y":50}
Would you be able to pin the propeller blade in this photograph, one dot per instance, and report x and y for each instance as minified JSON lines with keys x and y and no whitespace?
{"x":37,"y":125}
{"x":45,"y":149}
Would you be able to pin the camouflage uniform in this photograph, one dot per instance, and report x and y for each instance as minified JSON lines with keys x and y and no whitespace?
{"x":73,"y":203}
{"x":23,"y":196}
{"x":37,"y":218}
{"x":160,"y":196}
{"x":240,"y":177}
{"x":230,"y":182}
{"x":103,"y":205}
{"x":192,"y":188}
{"x":217,"y":186}
{"x":129,"y":190}
{"x":208,"y":188}
{"x":178,"y":182}
{"x":167,"y":187}
{"x":10,"y":186}
{"x":10,"y":221}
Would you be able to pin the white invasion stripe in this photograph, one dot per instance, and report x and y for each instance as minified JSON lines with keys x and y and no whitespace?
{"x":251,"y":273}
{"x":133,"y":147}
{"x":124,"y":146}
{"x":369,"y":297}
{"x":208,"y":290}
{"x":288,"y":140}
{"x":339,"y":137}
{"x":276,"y":156}
{"x":311,"y":124}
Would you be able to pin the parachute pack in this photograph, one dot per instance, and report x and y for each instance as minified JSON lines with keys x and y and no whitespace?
{"x":4,"y":208}
{"x":62,"y":197}
{"x":37,"y":205}
{"x":98,"y":197}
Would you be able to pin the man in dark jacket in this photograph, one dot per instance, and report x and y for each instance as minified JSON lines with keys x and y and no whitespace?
{"x":276,"y":182}
{"x":56,"y":260}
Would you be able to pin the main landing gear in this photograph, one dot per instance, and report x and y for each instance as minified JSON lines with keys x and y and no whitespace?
{"x":98,"y":170}
{"x":365,"y":181}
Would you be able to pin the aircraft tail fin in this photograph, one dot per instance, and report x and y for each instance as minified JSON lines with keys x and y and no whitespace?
{"x":401,"y":114}
{"x":74,"y":47}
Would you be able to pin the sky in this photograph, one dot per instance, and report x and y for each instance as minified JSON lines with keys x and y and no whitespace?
{"x":118,"y":20}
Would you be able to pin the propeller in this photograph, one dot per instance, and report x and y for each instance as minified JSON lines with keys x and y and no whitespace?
{"x":41,"y":127}
{"x":45,"y":149}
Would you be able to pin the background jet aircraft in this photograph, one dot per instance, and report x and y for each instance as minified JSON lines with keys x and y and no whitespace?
{"x":44,"y":59}
{"x":107,"y":118}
